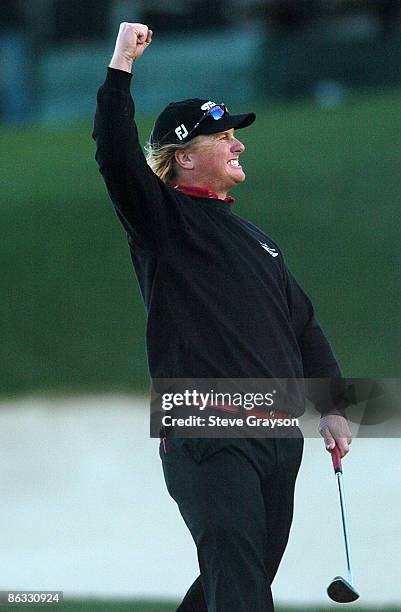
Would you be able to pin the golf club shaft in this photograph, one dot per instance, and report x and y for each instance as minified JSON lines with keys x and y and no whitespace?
{"x":345,"y":525}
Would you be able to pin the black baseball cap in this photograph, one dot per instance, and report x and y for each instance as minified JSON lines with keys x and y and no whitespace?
{"x":182,"y":121}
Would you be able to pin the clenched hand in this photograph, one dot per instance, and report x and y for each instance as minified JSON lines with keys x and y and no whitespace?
{"x":336,"y":432}
{"x":132,"y":40}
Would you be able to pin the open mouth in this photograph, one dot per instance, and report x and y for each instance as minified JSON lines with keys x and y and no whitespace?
{"x":234,"y":163}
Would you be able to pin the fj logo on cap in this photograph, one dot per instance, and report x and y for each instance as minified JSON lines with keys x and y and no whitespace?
{"x":271,"y":251}
{"x":181,"y":131}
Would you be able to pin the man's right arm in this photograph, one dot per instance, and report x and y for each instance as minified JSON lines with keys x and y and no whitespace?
{"x":326,"y":388}
{"x":136,"y":192}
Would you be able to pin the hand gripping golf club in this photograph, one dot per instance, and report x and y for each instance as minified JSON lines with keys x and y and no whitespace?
{"x":340,"y":590}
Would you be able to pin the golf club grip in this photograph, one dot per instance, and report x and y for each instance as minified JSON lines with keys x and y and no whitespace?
{"x":336,"y":459}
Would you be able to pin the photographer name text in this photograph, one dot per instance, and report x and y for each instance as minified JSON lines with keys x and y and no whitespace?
{"x":218,"y":421}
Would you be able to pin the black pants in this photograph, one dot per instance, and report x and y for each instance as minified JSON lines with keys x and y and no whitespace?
{"x":236,"y":498}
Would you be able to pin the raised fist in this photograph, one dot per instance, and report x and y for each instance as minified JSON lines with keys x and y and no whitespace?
{"x":132,"y":40}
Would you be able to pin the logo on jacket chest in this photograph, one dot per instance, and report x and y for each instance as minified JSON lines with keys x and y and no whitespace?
{"x":271,"y":251}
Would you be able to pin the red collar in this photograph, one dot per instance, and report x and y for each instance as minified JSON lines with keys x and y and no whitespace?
{"x":202,"y":192}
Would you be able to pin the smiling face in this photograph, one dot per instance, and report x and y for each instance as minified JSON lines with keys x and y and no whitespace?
{"x":213,"y":162}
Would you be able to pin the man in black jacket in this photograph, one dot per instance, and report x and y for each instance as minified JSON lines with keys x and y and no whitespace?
{"x":221,"y":305}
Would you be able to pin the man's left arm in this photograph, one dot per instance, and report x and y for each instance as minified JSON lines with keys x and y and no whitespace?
{"x":319,"y":362}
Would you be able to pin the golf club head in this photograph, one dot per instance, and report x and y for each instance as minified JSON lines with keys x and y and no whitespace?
{"x":341,"y":591}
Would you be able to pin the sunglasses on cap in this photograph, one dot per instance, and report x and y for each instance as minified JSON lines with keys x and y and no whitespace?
{"x":216,"y":112}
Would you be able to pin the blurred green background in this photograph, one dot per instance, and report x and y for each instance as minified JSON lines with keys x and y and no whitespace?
{"x":325,"y":183}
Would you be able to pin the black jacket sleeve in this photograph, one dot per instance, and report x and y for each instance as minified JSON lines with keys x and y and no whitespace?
{"x":141,"y":199}
{"x":325,"y":386}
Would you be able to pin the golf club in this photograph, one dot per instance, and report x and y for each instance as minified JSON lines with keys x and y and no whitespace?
{"x":339,"y":589}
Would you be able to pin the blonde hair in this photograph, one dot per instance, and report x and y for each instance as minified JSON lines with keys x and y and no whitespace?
{"x":161,"y":158}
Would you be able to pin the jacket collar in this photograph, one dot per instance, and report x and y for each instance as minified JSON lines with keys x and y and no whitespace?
{"x":202,"y":192}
